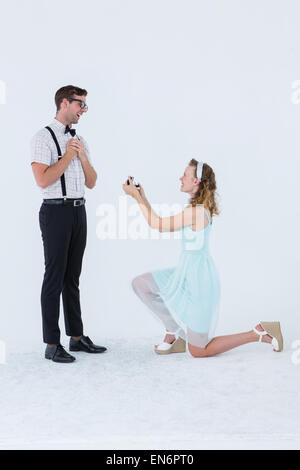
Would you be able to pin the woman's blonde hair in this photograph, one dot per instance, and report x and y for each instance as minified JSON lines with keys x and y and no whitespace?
{"x":206,"y":193}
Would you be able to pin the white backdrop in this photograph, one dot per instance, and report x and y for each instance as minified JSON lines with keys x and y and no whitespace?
{"x":167,"y":80}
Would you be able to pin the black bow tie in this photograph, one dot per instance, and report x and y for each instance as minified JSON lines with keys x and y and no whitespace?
{"x":72,"y":131}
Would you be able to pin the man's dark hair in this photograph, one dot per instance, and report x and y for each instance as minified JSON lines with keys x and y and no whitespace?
{"x":68,"y":92}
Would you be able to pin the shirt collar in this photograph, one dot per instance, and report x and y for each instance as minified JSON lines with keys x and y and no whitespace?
{"x":59,"y":126}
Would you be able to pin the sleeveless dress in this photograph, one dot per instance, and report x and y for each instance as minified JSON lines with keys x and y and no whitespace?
{"x":191,"y":291}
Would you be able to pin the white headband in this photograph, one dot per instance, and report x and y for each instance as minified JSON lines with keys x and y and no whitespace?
{"x":199,"y":170}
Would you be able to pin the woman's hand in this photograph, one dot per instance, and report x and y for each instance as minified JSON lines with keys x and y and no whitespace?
{"x":141,"y":191}
{"x":130,"y":188}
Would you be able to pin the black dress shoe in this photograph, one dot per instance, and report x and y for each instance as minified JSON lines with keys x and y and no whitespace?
{"x":85,"y":344}
{"x":57,"y":353}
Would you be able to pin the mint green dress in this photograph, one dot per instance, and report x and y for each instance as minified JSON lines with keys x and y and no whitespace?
{"x":191,"y":290}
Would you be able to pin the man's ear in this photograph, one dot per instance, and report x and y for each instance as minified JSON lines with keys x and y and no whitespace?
{"x":64,"y":102}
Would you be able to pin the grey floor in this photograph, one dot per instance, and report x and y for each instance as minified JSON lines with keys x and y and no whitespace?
{"x":130,"y":398}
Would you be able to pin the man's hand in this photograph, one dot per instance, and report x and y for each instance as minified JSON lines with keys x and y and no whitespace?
{"x":71,"y":149}
{"x":77,"y":146}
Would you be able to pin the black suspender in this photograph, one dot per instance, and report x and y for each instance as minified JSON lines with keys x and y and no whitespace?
{"x":62,"y":178}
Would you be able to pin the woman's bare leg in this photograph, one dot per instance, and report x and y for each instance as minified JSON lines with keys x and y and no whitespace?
{"x":221,"y":344}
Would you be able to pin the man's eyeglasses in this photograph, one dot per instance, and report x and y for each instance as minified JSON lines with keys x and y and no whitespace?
{"x":82,"y":103}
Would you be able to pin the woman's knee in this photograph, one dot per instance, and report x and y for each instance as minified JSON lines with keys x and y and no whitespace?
{"x":196,"y":351}
{"x":135,"y":283}
{"x":138,"y":282}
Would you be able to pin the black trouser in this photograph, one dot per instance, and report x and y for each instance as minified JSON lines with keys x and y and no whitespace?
{"x":64,"y":230}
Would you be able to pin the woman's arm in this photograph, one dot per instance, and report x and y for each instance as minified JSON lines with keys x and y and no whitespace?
{"x":166,"y":224}
{"x":145,"y":200}
{"x":189,"y":216}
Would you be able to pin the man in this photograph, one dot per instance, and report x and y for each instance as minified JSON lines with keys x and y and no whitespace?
{"x":61,"y":166}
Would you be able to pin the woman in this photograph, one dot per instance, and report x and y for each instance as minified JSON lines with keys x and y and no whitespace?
{"x":187,"y":298}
